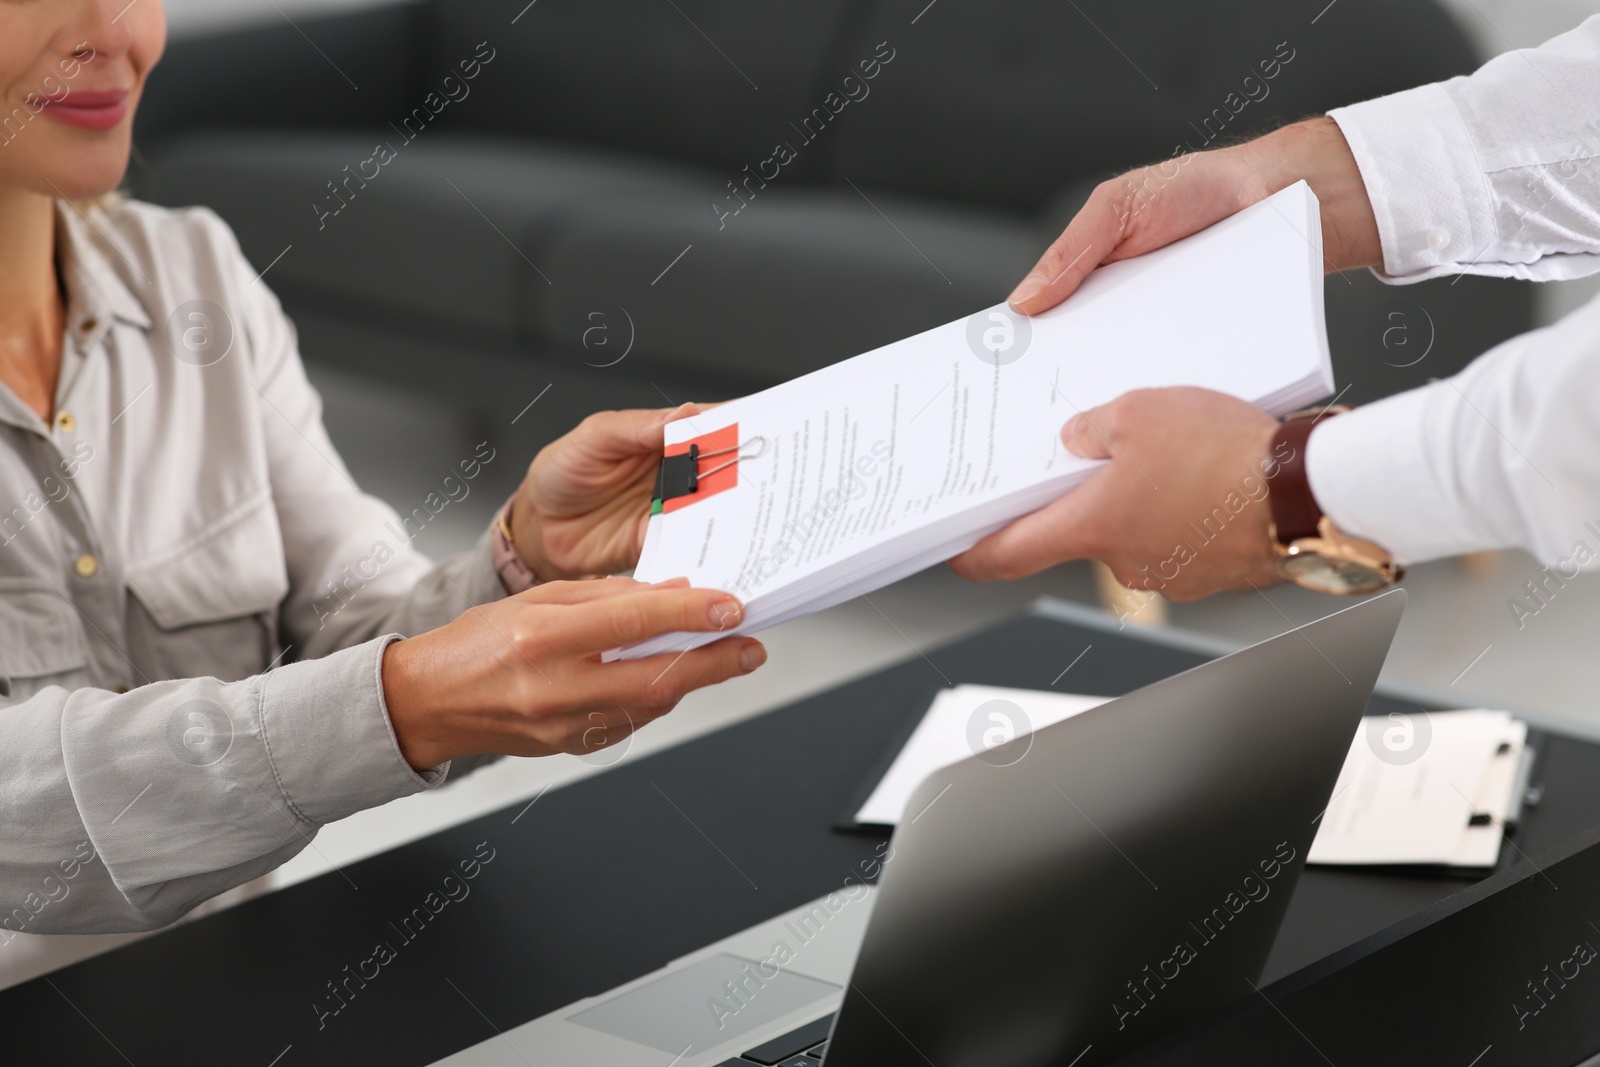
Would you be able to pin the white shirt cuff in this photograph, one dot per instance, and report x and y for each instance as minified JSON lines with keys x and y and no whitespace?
{"x":1370,"y":473}
{"x":1434,"y":207}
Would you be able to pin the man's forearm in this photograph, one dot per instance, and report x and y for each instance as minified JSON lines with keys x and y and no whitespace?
{"x":1316,"y":151}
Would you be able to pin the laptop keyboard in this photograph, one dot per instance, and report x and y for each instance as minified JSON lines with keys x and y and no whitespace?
{"x":802,"y":1047}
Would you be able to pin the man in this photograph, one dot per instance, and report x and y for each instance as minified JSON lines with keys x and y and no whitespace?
{"x":1497,"y":173}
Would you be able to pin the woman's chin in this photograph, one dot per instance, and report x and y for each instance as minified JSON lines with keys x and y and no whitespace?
{"x":83,"y":182}
{"x":74,"y":172}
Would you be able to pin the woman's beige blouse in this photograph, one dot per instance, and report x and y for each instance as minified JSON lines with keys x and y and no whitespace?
{"x":194,"y":594}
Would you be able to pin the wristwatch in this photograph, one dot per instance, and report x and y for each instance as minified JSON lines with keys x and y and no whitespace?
{"x":1312,"y":551}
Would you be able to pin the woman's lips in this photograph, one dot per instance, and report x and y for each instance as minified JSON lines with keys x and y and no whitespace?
{"x":88,"y":109}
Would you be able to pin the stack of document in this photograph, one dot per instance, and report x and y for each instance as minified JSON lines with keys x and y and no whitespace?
{"x":1430,"y":789}
{"x":865,"y":472}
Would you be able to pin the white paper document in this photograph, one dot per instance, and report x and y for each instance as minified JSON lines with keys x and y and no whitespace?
{"x":963,"y":721}
{"x":864,"y":472}
{"x":1412,"y":785}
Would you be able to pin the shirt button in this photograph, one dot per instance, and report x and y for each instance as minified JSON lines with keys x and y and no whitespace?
{"x":121,"y":689}
{"x":66,"y":422}
{"x":1438,"y":238}
{"x":86,"y":566}
{"x":88,"y":324}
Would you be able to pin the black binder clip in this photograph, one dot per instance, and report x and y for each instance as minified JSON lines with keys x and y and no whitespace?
{"x":680,"y":475}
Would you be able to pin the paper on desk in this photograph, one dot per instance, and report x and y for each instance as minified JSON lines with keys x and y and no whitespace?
{"x":959,"y":724}
{"x":1385,"y":810}
{"x":876,"y":467}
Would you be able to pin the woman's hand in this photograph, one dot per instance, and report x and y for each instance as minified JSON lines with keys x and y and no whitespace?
{"x":523,"y":676}
{"x":584,"y":506}
{"x":1156,"y":205}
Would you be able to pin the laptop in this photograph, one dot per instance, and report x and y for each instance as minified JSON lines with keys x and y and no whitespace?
{"x":1127,"y":876}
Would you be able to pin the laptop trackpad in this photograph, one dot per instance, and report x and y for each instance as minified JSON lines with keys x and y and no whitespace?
{"x":701,"y":1006}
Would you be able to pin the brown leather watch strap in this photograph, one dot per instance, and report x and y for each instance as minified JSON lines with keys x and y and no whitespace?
{"x":1295,"y":512}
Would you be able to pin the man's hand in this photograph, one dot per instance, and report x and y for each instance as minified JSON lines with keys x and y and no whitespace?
{"x":1156,"y":205}
{"x":584,"y":506}
{"x":1180,"y":508}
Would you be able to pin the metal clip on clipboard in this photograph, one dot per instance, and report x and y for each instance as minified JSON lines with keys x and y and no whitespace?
{"x":680,"y":475}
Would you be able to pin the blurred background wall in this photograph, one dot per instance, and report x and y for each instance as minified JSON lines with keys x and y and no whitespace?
{"x":1522,"y":22}
{"x":1494,"y":25}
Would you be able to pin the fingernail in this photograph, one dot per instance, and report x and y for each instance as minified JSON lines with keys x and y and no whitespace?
{"x":1069,"y":431}
{"x":752,"y":656}
{"x":1031,"y":287}
{"x":725,"y":613}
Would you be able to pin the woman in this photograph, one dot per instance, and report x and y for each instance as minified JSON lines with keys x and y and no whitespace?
{"x":172,"y":528}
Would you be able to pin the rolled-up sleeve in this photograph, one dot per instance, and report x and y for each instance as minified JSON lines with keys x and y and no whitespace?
{"x":249,"y":770}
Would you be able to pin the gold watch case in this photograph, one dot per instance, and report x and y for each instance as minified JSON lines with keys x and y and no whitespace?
{"x":1335,"y":562}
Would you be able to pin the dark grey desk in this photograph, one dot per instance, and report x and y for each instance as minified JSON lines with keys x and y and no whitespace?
{"x":613,"y":876}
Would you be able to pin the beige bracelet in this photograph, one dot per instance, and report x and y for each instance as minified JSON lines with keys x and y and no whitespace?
{"x":515,"y":574}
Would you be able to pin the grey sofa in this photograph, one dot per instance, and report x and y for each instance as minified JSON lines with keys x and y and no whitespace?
{"x":594,"y":194}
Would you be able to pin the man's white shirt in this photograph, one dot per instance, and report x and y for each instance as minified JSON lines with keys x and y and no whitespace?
{"x":1497,"y":173}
